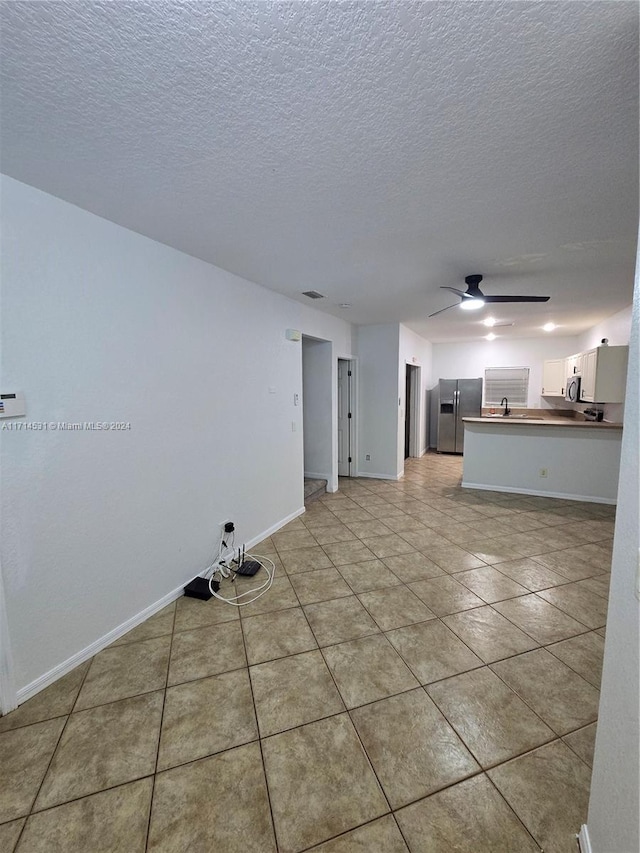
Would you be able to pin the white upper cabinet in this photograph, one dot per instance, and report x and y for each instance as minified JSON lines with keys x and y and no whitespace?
{"x":573,"y":365}
{"x":603,"y":372}
{"x":588,"y":378}
{"x":553,"y":377}
{"x":604,"y":375}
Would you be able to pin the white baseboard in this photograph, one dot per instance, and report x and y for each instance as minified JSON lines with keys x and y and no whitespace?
{"x":380,"y":476}
{"x":92,"y":649}
{"x":584,"y":843}
{"x":274,"y":528}
{"x":312,"y":476}
{"x":540,"y":493}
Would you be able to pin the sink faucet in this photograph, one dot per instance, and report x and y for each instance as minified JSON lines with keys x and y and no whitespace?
{"x":507,"y":410}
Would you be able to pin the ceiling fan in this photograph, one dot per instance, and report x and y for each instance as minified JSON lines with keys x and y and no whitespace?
{"x":473,"y":298}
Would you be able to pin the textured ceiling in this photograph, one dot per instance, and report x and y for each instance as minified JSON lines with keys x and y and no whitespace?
{"x":372,"y":151}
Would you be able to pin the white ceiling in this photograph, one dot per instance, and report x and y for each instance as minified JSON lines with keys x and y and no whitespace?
{"x":372,"y":151}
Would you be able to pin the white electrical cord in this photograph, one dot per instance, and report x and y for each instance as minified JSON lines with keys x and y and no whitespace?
{"x":216,"y":565}
{"x":265,"y":587}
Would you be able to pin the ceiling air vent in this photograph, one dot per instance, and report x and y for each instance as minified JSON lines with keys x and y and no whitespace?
{"x":313,"y":294}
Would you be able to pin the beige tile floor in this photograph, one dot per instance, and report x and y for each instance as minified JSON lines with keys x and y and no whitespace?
{"x":422,"y":676}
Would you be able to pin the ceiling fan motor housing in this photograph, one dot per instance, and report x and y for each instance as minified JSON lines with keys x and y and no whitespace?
{"x":473,"y":283}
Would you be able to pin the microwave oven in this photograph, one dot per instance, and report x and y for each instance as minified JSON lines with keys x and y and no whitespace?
{"x":572,"y":389}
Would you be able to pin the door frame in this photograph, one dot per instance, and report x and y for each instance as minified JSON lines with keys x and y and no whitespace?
{"x":412,"y":413}
{"x":8,"y":694}
{"x":353,"y":432}
{"x":324,"y":381}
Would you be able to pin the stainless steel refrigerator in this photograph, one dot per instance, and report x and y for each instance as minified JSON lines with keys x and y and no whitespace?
{"x":456,"y":399}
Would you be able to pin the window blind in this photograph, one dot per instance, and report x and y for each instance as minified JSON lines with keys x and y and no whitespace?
{"x":509,"y":382}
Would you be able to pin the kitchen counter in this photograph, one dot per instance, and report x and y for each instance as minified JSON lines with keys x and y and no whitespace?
{"x":552,"y":457}
{"x":500,"y":420}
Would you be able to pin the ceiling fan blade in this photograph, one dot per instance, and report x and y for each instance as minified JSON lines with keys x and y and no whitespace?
{"x":441,"y":310}
{"x":516,"y":298}
{"x":453,"y":290}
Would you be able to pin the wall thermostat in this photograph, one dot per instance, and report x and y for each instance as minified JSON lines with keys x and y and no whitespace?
{"x":12,"y":405}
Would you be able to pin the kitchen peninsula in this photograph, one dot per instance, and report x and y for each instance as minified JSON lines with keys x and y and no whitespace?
{"x":554,"y":457}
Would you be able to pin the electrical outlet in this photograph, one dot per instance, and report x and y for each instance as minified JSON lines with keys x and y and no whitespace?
{"x":544,"y":472}
{"x":368,"y":457}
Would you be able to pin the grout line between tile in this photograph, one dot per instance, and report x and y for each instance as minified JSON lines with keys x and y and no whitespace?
{"x":255,"y":714}
{"x":164,"y":701}
{"x":510,"y":807}
{"x":64,"y":728}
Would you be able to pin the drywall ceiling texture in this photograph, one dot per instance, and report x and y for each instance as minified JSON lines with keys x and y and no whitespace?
{"x":371,"y":151}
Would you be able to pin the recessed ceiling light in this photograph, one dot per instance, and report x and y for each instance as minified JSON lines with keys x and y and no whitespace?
{"x":491,"y":336}
{"x":489,"y":321}
{"x":549,"y":327}
{"x":346,"y":304}
{"x":474,"y":304}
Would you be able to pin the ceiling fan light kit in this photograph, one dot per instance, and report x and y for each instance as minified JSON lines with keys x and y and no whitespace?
{"x":474,"y":298}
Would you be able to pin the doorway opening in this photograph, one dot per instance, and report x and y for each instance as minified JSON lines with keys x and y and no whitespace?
{"x":316,"y":416}
{"x":412,"y":411}
{"x":346,"y":448}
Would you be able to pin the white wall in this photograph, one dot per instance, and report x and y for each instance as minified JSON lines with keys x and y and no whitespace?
{"x":417,"y":351}
{"x":469,"y":360}
{"x":613,"y":822}
{"x":616,"y":328}
{"x":383,"y":353}
{"x":378,"y":404}
{"x":317,"y":407}
{"x":101,"y":324}
{"x":582,"y":462}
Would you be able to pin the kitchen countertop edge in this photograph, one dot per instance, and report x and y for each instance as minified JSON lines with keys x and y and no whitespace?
{"x":544,"y":422}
